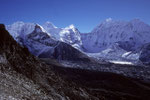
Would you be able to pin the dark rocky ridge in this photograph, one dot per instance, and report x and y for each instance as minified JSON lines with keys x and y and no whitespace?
{"x":64,"y":51}
{"x":24,"y":77}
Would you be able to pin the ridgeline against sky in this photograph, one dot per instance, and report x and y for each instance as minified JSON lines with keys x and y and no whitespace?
{"x":84,"y":14}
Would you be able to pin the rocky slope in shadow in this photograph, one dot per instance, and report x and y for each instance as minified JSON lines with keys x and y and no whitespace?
{"x":24,"y":77}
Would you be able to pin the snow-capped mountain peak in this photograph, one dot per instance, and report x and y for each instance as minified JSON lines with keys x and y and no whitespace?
{"x":130,"y":36}
{"x":49,"y":25}
{"x":108,"y":20}
{"x":20,"y":29}
{"x":71,"y":35}
{"x":68,"y":30}
{"x":39,"y":28}
{"x":136,"y":20}
{"x":19,"y":23}
{"x":70,"y":27}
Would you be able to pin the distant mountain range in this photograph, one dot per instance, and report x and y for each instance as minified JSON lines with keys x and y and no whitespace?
{"x":42,"y":44}
{"x":111,"y":40}
{"x":26,"y":77}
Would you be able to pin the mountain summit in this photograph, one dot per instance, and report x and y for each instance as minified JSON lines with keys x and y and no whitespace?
{"x":134,"y":34}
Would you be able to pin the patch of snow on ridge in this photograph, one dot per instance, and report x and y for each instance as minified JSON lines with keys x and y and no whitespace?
{"x":126,"y":54}
{"x":122,"y":62}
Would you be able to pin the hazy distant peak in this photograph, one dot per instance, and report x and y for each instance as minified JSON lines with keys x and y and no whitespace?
{"x":136,"y":20}
{"x":49,"y":25}
{"x":19,"y":22}
{"x":108,"y":20}
{"x":70,"y":27}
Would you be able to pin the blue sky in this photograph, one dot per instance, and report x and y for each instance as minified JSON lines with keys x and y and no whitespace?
{"x":84,"y":14}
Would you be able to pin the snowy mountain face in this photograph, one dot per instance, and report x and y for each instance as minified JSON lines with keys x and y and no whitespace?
{"x":39,"y":41}
{"x":43,"y":45}
{"x":111,"y":40}
{"x":52,"y":30}
{"x":20,"y":29}
{"x":69,"y":35}
{"x":129,"y":37}
{"x":114,"y":52}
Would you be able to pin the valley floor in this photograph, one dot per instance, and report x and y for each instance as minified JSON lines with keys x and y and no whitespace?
{"x":105,"y":85}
